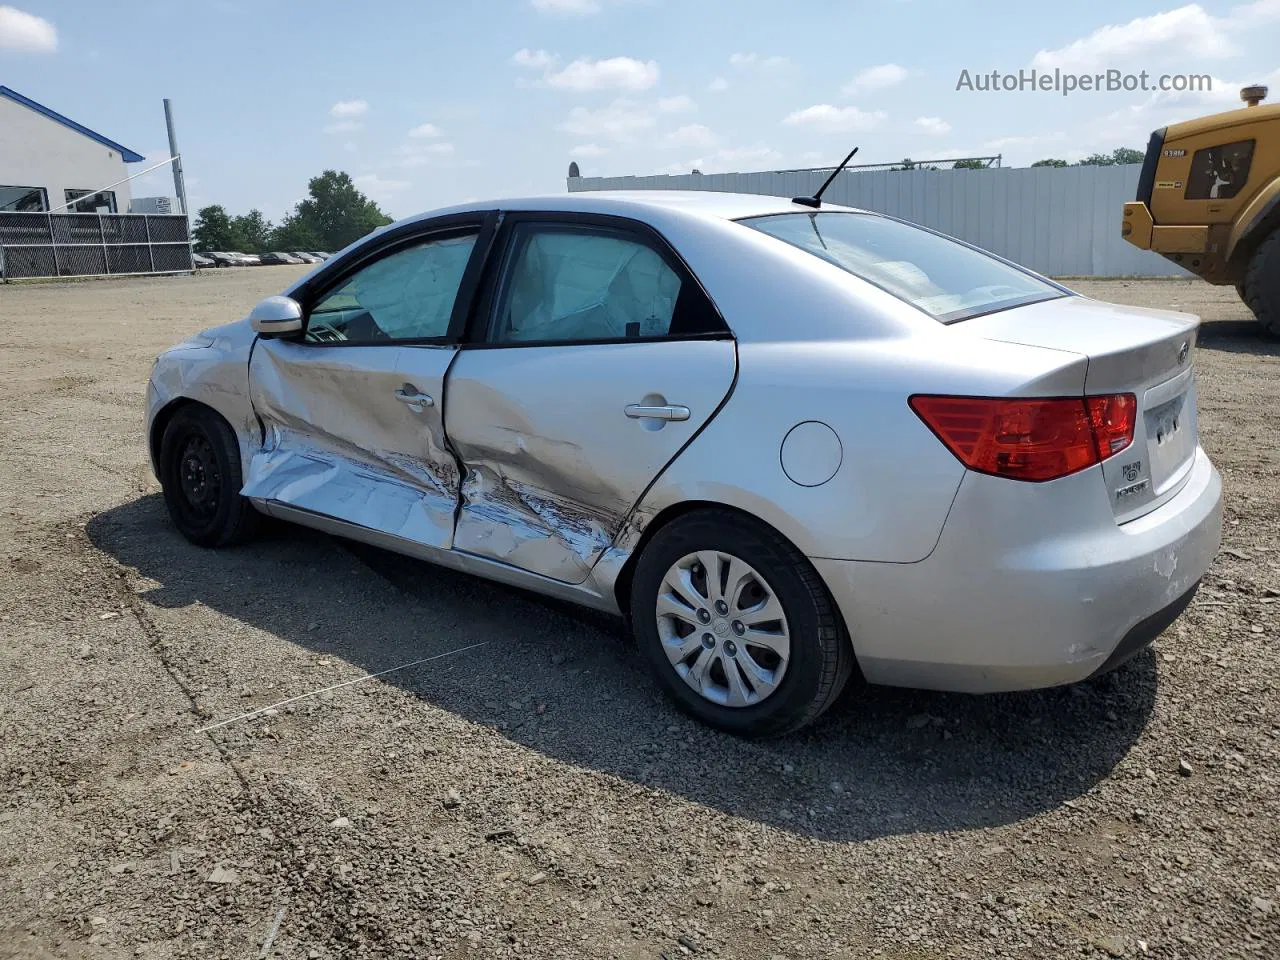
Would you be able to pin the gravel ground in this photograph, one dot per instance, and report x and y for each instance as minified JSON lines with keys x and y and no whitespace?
{"x":536,"y":797}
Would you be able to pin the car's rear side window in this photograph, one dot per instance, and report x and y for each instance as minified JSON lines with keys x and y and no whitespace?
{"x":947,"y":280}
{"x":589,"y":283}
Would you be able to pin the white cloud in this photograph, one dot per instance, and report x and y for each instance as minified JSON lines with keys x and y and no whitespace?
{"x":876,"y":78}
{"x":534,"y":59}
{"x":349,"y":108}
{"x":619,"y":73}
{"x":343,"y":126}
{"x":570,"y":8}
{"x":693,"y":135}
{"x":680,"y":104}
{"x":621,"y":121}
{"x":25,"y":32}
{"x":378,"y":188}
{"x":1028,"y":140}
{"x":422,"y":154}
{"x":1187,"y":31}
{"x":1253,"y":14}
{"x":748,"y":156}
{"x":588,"y":151}
{"x":425,"y":131}
{"x":825,"y":118}
{"x":1131,"y":125}
{"x":728,"y":159}
{"x":933,"y":125}
{"x":756,"y":60}
{"x":718,"y":85}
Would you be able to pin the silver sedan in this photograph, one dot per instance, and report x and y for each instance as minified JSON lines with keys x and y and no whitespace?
{"x":792,"y":445}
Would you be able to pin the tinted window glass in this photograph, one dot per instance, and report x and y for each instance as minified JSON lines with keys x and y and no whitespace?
{"x":584,"y":283}
{"x":1218,"y":173}
{"x":82,"y":201}
{"x":23,"y":199}
{"x":406,"y":295}
{"x":945,"y":279}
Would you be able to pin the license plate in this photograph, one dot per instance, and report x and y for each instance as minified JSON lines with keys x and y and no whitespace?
{"x":1168,"y":424}
{"x":1170,"y":440}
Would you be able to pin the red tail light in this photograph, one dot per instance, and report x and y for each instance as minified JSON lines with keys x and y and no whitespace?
{"x":1030,"y":439}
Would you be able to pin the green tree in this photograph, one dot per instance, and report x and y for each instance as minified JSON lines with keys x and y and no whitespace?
{"x":1052,"y":162}
{"x":1116,"y":156}
{"x":969,"y":165}
{"x":335,"y":213}
{"x":213,"y":229}
{"x":252,"y":231}
{"x":294,"y":235}
{"x":909,"y":164}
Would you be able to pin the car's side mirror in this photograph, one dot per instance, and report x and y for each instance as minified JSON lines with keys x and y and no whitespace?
{"x":276,"y":317}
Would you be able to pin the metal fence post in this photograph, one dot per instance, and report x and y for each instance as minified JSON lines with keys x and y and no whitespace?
{"x":53,"y":242}
{"x":151,"y":252}
{"x":102,"y":232}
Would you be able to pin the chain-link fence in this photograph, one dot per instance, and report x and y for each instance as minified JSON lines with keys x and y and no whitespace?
{"x":92,"y":245}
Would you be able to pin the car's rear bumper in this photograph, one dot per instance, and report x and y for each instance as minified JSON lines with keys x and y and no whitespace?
{"x":1019,"y":594}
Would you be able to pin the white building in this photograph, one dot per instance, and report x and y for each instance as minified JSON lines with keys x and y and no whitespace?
{"x":48,"y":160}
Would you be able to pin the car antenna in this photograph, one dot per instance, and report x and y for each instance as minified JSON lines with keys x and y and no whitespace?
{"x":816,"y":200}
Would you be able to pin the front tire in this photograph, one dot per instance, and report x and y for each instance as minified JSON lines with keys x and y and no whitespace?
{"x":1262,"y":284}
{"x":737,"y":626}
{"x":201,"y":478}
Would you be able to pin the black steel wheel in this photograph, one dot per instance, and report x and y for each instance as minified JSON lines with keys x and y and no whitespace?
{"x":201,"y":479}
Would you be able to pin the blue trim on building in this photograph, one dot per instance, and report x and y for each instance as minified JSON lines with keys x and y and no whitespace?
{"x":128,"y":155}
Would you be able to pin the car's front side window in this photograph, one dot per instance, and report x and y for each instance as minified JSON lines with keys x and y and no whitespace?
{"x":584,"y":283}
{"x":405,"y":295}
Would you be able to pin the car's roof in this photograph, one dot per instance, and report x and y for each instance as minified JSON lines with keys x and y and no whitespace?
{"x":635,"y":203}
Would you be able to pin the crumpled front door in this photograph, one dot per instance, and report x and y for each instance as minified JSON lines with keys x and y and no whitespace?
{"x":350,"y":434}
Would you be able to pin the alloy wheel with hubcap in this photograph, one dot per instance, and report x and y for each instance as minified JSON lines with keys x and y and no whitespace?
{"x":723,"y":628}
{"x":736,"y":624}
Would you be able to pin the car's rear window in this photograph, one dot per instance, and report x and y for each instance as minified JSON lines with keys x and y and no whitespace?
{"x":947,"y":280}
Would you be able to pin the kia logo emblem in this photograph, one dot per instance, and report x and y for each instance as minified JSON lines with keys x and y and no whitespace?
{"x":1184,"y":351}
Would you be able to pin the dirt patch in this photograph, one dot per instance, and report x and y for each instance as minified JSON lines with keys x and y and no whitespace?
{"x":536,"y":797}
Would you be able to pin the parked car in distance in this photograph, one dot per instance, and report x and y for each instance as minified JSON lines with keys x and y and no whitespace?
{"x":307,"y":257}
{"x":791,"y":442}
{"x":276,"y":259}
{"x":247,"y":259}
{"x":321,"y":254}
{"x":221,"y":259}
{"x":198,"y":261}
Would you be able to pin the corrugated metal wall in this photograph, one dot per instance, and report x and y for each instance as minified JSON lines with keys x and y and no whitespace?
{"x":1062,"y":221}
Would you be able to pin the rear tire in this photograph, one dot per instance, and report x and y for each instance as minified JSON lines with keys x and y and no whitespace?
{"x":1262,"y":284}
{"x":201,"y":478}
{"x":786,"y":669}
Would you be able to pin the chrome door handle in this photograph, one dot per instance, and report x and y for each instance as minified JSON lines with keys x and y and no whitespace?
{"x":672,"y":411}
{"x":409,"y":394}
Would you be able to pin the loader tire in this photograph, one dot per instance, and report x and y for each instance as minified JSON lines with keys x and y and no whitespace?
{"x":1262,"y":285}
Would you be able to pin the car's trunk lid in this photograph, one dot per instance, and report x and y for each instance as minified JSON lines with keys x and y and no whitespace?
{"x":1148,"y":353}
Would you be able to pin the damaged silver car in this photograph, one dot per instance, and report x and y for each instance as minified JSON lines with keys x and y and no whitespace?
{"x":791,"y":443}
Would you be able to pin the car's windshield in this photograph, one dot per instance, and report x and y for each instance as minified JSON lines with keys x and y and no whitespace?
{"x":947,"y":280}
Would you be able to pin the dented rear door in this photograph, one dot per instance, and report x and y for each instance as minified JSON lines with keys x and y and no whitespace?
{"x":602,"y":358}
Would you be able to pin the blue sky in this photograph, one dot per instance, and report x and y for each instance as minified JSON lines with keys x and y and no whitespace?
{"x":427,"y":102}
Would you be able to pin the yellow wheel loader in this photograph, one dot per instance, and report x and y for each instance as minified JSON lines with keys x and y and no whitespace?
{"x":1209,"y":200}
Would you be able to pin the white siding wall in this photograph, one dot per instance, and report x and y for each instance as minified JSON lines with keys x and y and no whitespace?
{"x":1058,"y":221}
{"x":38,"y":152}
